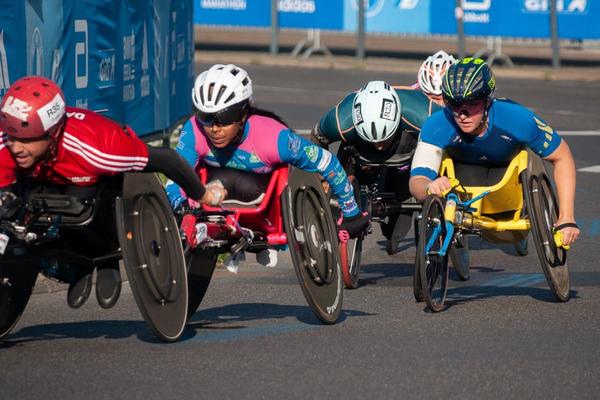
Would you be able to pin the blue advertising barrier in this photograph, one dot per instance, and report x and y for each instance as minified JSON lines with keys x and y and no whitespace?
{"x":509,"y":18}
{"x":323,"y":14}
{"x":130,"y":60}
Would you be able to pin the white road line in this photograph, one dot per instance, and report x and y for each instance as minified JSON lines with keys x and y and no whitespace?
{"x":579,"y":133}
{"x":561,"y":133}
{"x":593,"y":168}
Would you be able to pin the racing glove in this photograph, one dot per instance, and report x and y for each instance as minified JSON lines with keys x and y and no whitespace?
{"x":351,"y":227}
{"x":9,"y":203}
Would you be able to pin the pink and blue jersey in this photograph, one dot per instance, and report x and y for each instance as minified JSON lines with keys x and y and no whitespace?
{"x":265,"y":145}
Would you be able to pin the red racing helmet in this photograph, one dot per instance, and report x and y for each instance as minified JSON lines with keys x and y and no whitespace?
{"x":32,"y":107}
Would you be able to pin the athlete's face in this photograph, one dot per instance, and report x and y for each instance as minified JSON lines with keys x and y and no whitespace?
{"x":469,"y":115}
{"x":27,"y":152}
{"x":223,"y":135}
{"x":384,"y":145}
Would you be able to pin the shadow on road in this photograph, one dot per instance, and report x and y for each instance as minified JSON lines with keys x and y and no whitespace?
{"x":106,"y":329}
{"x":234,"y":315}
{"x":466,"y":294}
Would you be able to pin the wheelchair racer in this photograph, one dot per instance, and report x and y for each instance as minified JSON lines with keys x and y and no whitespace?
{"x":229,"y":131}
{"x":46,"y":146}
{"x":476,"y":128}
{"x":377,"y":123}
{"x":431,"y":72}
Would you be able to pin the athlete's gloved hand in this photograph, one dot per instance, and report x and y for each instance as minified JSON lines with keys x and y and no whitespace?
{"x":215,"y":193}
{"x":8,"y":204}
{"x":351,"y":227}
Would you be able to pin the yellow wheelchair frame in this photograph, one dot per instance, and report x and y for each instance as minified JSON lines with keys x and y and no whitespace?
{"x":522,"y":201}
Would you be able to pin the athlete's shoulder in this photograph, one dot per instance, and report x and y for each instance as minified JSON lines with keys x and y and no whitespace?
{"x":438,"y":129}
{"x":265,"y":125}
{"x":88,"y":125}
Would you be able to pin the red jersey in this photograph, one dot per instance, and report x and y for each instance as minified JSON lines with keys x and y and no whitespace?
{"x":7,"y":164}
{"x":90,"y":147}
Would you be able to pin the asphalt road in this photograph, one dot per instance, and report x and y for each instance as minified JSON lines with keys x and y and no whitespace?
{"x":503,"y":336}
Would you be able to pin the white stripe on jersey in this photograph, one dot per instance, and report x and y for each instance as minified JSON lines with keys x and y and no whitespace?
{"x":114,"y":157}
{"x":87,"y":157}
{"x":3,"y":138}
{"x":427,"y":156}
{"x":83,"y":148}
{"x":325,"y":160}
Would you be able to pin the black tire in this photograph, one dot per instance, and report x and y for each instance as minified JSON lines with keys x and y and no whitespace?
{"x":521,"y":247}
{"x":201,"y":266}
{"x":461,"y":261}
{"x":433,"y":269}
{"x":16,"y":285}
{"x":541,"y":201}
{"x":350,"y":259}
{"x":417,"y":288}
{"x":312,"y":237}
{"x":351,"y":251}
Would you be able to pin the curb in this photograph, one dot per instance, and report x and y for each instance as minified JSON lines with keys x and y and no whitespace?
{"x":382,"y":64}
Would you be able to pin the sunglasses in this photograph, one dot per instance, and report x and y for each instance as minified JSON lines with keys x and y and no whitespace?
{"x":225,"y":117}
{"x":468,"y":107}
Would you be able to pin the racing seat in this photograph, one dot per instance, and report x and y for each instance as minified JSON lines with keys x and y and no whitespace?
{"x":505,"y":201}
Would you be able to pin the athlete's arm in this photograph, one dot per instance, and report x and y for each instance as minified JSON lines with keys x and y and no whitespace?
{"x":308,"y":157}
{"x":424,"y":172}
{"x":546,"y":142}
{"x":186,"y":150}
{"x":565,"y":177}
{"x":168,"y":162}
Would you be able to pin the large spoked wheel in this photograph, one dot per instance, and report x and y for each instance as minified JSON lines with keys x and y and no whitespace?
{"x":433,"y":268}
{"x":350,"y":258}
{"x":312,"y":238}
{"x":351,"y":251}
{"x":153,"y":255}
{"x":543,"y":207}
{"x":459,"y":255}
{"x":16,"y":285}
{"x":201,"y":266}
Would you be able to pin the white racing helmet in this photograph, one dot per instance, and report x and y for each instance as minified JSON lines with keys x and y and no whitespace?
{"x":220,"y":87}
{"x":376,"y":111}
{"x":432,"y":71}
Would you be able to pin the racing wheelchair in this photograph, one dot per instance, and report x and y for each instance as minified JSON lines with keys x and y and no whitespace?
{"x":373,"y":177}
{"x":291,"y":210}
{"x":54,"y":232}
{"x":522,"y":200}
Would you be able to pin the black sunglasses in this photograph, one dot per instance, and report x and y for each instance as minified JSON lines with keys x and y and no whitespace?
{"x":224,"y":117}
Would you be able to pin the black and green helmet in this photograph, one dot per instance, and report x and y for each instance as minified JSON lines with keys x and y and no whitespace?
{"x":468,"y":79}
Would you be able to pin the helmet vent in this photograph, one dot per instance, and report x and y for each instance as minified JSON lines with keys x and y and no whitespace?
{"x":221,"y":91}
{"x":201,"y":94}
{"x":36,"y":94}
{"x":245,"y":82}
{"x":231,"y":96}
{"x":210,"y":91}
{"x":24,"y":124}
{"x":234,"y":71}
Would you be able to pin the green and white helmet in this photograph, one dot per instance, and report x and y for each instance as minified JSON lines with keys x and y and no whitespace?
{"x":376,"y":111}
{"x":468,"y":79}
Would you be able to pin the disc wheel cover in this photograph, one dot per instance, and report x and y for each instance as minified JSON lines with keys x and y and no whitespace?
{"x":153,"y":255}
{"x":433,"y":269}
{"x":312,"y":239}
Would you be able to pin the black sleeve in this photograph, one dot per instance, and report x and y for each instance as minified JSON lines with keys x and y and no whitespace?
{"x":317,"y":137}
{"x":168,"y":162}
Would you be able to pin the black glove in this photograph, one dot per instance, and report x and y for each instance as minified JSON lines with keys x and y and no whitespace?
{"x":352,"y":227}
{"x":9,"y":204}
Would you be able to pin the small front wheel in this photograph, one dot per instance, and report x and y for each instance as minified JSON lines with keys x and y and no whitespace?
{"x":432,"y":267}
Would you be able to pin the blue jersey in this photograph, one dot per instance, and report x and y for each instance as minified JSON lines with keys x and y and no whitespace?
{"x":511,"y":128}
{"x":265,"y":145}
